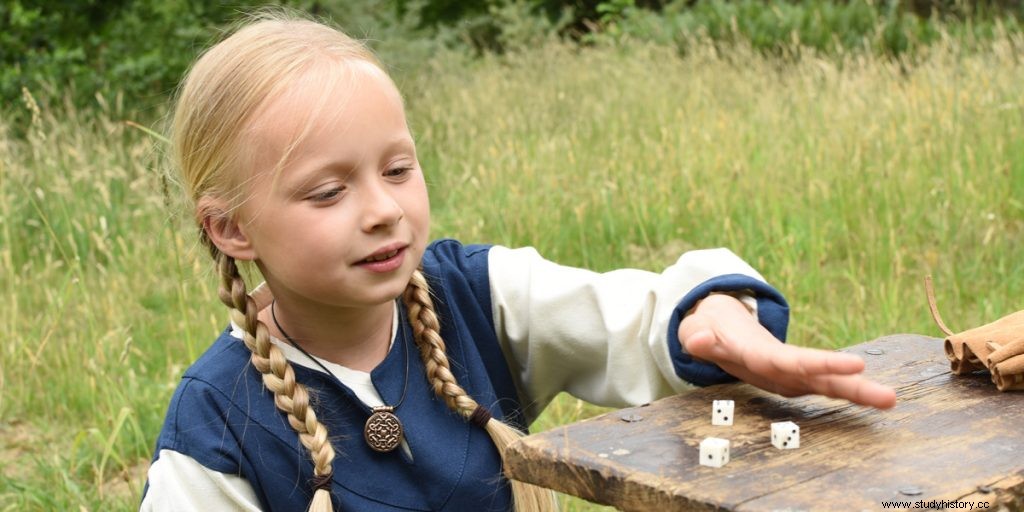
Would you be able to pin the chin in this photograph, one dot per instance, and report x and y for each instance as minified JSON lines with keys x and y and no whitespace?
{"x":399,"y":289}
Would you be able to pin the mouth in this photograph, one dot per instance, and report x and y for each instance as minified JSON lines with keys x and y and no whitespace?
{"x":386,"y":259}
{"x":381,"y":256}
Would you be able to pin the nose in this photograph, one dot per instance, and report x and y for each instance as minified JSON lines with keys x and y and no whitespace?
{"x":380,"y":207}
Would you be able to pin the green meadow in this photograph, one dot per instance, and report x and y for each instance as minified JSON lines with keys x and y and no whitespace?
{"x":844,"y":179}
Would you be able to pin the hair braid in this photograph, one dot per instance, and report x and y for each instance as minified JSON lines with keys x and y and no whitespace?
{"x":278,"y":376}
{"x":426,"y":330}
{"x":427,"y":333}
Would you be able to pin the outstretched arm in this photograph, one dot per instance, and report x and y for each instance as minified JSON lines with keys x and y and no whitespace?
{"x":722,"y":331}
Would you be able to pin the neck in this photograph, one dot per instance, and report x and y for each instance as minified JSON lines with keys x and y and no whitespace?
{"x":357,"y":338}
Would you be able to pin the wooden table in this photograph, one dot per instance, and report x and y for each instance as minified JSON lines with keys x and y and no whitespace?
{"x":952,"y":438}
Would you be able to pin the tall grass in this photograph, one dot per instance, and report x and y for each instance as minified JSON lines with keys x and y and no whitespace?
{"x":844,"y":180}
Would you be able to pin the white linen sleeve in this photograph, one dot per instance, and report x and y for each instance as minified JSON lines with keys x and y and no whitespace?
{"x":601,"y":337}
{"x":178,"y":483}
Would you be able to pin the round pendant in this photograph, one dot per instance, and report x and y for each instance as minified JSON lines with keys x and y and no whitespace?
{"x":383,"y":431}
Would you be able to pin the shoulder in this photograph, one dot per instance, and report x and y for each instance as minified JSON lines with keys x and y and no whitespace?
{"x":452,"y":265}
{"x":215,"y":377}
{"x":222,"y":364}
{"x":450,"y":255}
{"x":219,"y":390}
{"x":453,"y":253}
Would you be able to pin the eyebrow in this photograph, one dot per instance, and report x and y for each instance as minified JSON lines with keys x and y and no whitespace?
{"x":344,"y":167}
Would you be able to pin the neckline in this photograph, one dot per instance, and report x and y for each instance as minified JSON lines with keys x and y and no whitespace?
{"x":294,"y":356}
{"x":361,"y":378}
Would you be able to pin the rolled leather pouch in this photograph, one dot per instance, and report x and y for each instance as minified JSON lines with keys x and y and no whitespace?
{"x":997,"y":347}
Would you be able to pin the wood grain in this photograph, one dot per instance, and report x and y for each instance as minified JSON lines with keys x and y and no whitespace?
{"x":949,"y":438}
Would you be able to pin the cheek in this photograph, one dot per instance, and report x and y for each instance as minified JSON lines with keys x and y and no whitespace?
{"x":425,"y":202}
{"x":416,"y":205}
{"x":426,"y":224}
{"x":417,"y":200}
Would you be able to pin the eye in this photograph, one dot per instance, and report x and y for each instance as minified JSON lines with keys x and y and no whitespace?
{"x":397,"y":172}
{"x":326,"y":195}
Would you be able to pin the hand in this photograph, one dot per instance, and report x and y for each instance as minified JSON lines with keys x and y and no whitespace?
{"x":722,"y":331}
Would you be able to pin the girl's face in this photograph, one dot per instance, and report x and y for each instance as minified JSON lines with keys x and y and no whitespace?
{"x":346,"y":221}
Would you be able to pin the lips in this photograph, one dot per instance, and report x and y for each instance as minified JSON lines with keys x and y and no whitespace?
{"x":385,"y":260}
{"x":381,"y":256}
{"x":385,"y":253}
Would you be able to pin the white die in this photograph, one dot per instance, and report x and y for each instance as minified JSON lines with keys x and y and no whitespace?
{"x":714,"y":452}
{"x":721,"y":412}
{"x":785,"y":435}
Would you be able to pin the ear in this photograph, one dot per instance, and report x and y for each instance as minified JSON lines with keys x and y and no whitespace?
{"x":223,"y":229}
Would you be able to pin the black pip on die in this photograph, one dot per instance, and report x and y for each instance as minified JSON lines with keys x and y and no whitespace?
{"x":721,"y":412}
{"x":714,"y":452}
{"x":785,"y":435}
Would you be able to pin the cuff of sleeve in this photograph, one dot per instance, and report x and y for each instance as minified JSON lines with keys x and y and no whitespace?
{"x":772,"y":313}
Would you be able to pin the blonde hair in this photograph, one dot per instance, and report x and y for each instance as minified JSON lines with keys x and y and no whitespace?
{"x":216,"y":104}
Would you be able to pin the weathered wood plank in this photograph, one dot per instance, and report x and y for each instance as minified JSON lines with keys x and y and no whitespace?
{"x":949,"y":437}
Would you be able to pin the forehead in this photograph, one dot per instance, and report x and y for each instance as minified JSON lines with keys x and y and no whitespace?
{"x":338,"y":110}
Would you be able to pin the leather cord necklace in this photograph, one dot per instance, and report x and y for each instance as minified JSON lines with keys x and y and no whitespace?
{"x":383,"y":430}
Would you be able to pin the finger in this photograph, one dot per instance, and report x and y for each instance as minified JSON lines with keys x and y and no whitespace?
{"x":771,"y":385}
{"x":706,"y":345}
{"x":699,"y":338}
{"x":800,"y":361}
{"x":751,"y":345}
{"x":704,"y":338}
{"x":854,"y":388}
{"x":694,"y":326}
{"x":702,"y":345}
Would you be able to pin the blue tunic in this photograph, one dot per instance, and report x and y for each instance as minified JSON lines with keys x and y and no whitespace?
{"x":222,"y":416}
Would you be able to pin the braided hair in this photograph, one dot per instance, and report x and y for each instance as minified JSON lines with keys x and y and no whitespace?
{"x":215,"y":104}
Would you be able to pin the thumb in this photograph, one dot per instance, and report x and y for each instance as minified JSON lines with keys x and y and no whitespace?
{"x":697,"y":336}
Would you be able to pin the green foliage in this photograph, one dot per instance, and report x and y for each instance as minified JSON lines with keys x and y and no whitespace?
{"x":890,"y":27}
{"x":92,"y":51}
{"x":886,"y":28}
{"x":498,"y":25}
{"x":138,"y":50}
{"x":84,"y":48}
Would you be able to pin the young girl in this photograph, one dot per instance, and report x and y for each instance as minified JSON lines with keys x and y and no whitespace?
{"x":373,"y":370}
